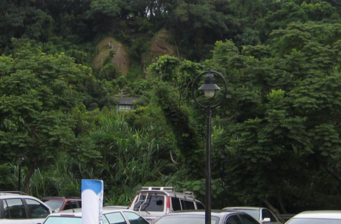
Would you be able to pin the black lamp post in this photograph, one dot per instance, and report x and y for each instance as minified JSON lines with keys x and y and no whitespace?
{"x":20,"y":159}
{"x":223,"y":176}
{"x":209,"y":88}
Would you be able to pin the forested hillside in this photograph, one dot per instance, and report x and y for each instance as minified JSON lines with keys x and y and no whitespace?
{"x":276,"y":139}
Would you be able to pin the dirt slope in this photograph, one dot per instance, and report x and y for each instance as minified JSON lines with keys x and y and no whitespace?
{"x":160,"y":45}
{"x":109,"y":46}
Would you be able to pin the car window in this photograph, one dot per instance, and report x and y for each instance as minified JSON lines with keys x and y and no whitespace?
{"x":115,"y":218}
{"x":234,"y":219}
{"x":63,"y":220}
{"x":246,"y":219}
{"x":151,"y":203}
{"x":176,"y":204}
{"x":70,"y":205}
{"x":187,"y":205}
{"x":267,"y":214}
{"x":254,"y":213}
{"x":200,"y":206}
{"x":135,"y":218}
{"x":37,"y":209}
{"x":56,"y":205}
{"x":14,"y":209}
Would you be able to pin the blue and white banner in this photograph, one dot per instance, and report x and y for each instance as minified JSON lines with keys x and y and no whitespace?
{"x":92,"y":201}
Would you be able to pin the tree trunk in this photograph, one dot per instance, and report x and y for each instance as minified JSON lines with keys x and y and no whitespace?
{"x":27,"y":179}
{"x":281,"y":205}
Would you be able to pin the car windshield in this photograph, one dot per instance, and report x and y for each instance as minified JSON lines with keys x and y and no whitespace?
{"x":314,"y":221}
{"x":56,"y":205}
{"x":186,"y":219}
{"x":63,"y":220}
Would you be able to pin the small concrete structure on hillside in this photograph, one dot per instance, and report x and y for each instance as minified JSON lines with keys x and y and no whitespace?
{"x":127,"y":103}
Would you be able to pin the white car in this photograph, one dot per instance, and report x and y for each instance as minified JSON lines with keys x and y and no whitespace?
{"x":261,"y":214}
{"x":317,"y":217}
{"x":109,"y":216}
{"x":153,"y":202}
{"x":19,"y":208}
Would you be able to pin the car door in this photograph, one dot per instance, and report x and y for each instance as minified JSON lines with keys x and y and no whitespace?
{"x":200,"y":205}
{"x":14,"y":212}
{"x":37,"y":212}
{"x":266,"y":215}
{"x":114,"y":218}
{"x":134,"y":218}
{"x":187,"y":204}
{"x":233,"y":219}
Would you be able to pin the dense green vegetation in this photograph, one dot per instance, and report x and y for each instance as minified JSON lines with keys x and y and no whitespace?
{"x":276,"y":139}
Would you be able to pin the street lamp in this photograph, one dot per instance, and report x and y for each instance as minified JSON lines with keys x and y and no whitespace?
{"x":209,"y":87}
{"x":20,"y":159}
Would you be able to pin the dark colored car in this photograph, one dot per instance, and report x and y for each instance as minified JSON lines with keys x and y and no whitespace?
{"x":62,"y":203}
{"x":198,"y":217}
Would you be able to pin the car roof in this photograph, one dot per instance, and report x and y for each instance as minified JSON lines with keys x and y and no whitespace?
{"x":76,"y":212}
{"x":62,"y":198}
{"x":243,"y":208}
{"x":14,"y":195}
{"x":166,"y":191}
{"x":335,"y":214}
{"x":117,"y":206}
{"x":201,"y":212}
{"x":168,"y":194}
{"x":12,"y":192}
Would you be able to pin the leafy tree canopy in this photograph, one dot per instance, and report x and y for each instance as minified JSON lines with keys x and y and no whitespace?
{"x":37,"y":93}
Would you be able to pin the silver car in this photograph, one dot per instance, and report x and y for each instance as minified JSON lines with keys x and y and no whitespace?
{"x":198,"y":217}
{"x":261,"y":214}
{"x":317,"y":217}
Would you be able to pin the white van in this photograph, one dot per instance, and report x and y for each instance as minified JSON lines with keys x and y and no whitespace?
{"x":154,"y":202}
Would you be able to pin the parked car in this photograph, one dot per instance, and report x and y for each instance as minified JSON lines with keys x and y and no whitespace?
{"x":154,"y":202}
{"x":61,"y":203}
{"x":17,"y":207}
{"x":109,"y":216}
{"x":261,"y":214}
{"x":198,"y":217}
{"x":316,"y":217}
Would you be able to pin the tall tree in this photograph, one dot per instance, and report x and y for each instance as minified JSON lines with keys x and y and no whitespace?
{"x":37,"y":93}
{"x":283,"y":113}
{"x":172,"y":95}
{"x":196,"y":25}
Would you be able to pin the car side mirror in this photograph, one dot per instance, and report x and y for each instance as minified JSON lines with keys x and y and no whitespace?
{"x":266,"y":220}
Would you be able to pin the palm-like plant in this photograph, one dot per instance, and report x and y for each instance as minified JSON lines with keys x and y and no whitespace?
{"x":130,"y":157}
